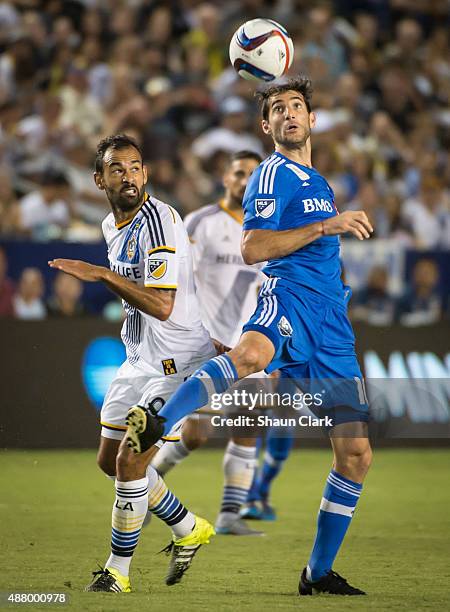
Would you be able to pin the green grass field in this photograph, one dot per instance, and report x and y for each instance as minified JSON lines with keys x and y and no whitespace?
{"x":55,"y":526}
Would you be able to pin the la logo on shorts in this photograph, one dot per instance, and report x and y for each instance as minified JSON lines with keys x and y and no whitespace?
{"x":265,"y":208}
{"x":156,"y":268}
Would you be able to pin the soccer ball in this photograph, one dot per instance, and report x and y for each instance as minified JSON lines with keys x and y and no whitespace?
{"x":261,"y":50}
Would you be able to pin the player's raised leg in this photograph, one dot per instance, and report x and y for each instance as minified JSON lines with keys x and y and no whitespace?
{"x":253,"y":353}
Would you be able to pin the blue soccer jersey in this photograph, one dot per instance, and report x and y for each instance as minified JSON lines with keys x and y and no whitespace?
{"x":282,"y":194}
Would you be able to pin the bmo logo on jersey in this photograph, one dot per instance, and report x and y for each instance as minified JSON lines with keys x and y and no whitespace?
{"x":265,"y":208}
{"x":314,"y":204}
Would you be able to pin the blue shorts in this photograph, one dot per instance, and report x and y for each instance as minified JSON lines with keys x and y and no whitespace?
{"x":314,"y":345}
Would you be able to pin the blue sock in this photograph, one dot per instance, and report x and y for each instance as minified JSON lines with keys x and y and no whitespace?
{"x":277,"y":451}
{"x":336,"y":510}
{"x":215,"y":376}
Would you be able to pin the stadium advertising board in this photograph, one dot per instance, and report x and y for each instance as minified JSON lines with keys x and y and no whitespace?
{"x":57,"y":374}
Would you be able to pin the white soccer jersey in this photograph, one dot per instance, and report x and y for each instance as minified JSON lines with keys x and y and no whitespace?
{"x":153,"y":250}
{"x":226,"y":286}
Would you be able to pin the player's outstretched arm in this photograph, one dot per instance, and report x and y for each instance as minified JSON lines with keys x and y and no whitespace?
{"x":262,"y":245}
{"x":157,"y":303}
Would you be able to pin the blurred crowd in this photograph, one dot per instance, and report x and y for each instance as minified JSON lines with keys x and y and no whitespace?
{"x":420,"y":304}
{"x":72,"y":72}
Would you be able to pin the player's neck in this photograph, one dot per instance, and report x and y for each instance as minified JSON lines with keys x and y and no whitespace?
{"x":122,"y":217}
{"x":300,"y":156}
{"x":233,"y":207}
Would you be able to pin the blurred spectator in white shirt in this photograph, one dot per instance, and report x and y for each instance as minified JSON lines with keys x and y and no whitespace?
{"x":428,"y":216}
{"x":231,"y":135}
{"x":28,"y":301}
{"x":45,"y":212}
{"x":80,"y":110}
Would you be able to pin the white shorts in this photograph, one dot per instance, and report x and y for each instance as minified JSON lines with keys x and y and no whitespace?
{"x":133,"y":386}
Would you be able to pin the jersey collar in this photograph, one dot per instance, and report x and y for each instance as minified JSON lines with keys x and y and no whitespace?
{"x":232,"y":214}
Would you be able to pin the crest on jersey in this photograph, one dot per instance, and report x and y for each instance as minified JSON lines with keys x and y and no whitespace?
{"x":132,"y":241}
{"x":265,"y":208}
{"x":156,"y":269}
{"x":131,"y":247}
{"x":284,"y":327}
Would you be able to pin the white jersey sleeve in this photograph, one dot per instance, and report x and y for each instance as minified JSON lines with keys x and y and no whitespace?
{"x":161,"y":261}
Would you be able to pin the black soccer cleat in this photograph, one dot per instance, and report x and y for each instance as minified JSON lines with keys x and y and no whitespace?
{"x":183,"y":550}
{"x":331,"y":583}
{"x":145,"y":428}
{"x":109,"y":580}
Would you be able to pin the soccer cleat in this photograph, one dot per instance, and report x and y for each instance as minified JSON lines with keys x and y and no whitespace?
{"x":237,"y":527}
{"x":268,"y":512}
{"x":183,"y":549}
{"x":330,"y":583}
{"x":145,"y":428}
{"x":109,"y":580}
{"x":251,"y":511}
{"x":258,"y":511}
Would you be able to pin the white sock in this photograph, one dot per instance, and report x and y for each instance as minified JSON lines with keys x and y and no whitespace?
{"x":129,"y":510}
{"x":239,"y":464}
{"x":167,"y":507}
{"x":169,"y":455}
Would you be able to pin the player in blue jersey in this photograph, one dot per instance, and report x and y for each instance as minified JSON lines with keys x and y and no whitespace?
{"x":300,"y":325}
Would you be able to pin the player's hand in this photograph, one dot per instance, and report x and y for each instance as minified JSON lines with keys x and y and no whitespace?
{"x":80,"y":269}
{"x":220,"y":348}
{"x":353,"y":221}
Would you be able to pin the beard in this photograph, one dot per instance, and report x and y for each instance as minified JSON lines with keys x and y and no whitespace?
{"x":124,"y":202}
{"x":296,"y":140}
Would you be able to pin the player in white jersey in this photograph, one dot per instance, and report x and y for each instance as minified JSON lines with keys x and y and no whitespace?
{"x":226,"y":286}
{"x":227,"y":290}
{"x":151,"y":270}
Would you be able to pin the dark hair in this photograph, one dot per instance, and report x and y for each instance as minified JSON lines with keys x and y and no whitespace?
{"x":116,"y":141}
{"x":300,"y":84}
{"x":245,"y":155}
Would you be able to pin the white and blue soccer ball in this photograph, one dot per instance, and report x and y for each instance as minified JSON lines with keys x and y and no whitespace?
{"x":261,"y":50}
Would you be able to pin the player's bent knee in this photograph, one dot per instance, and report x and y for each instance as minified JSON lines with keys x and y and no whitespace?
{"x":195,"y":442}
{"x":107,"y":464}
{"x":357,"y":462}
{"x":249,"y":361}
{"x":126,"y":460}
{"x":193,"y":435}
{"x":365,"y":459}
{"x":106,"y":460}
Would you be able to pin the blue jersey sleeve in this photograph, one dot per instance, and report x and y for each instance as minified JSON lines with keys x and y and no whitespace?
{"x":267,"y":195}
